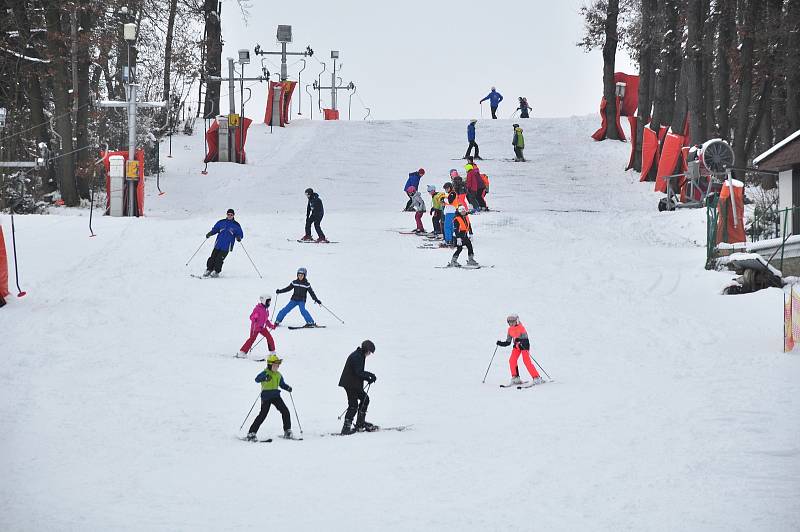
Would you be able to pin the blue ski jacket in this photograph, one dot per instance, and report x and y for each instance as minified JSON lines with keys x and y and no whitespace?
{"x":227,"y":231}
{"x":413,"y":180}
{"x":494,"y":98}
{"x":471,"y":132}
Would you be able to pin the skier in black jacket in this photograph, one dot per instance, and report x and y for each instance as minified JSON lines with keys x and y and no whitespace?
{"x":314,"y":214}
{"x":301,"y":288}
{"x":352,"y":380}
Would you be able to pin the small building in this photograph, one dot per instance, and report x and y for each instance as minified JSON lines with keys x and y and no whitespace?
{"x":784,"y":158}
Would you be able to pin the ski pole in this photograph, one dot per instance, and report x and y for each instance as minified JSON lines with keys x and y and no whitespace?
{"x":295,"y":414}
{"x":251,"y":260}
{"x":255,"y":344}
{"x":251,"y":411}
{"x":332,"y":314}
{"x":490,"y":364}
{"x":195,"y":253}
{"x":541,"y":368}
{"x":20,"y":292}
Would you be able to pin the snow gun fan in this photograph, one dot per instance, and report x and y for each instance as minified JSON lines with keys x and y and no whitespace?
{"x":706,"y":166}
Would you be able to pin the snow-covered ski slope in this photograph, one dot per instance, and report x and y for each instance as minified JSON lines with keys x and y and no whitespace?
{"x":674,"y":407}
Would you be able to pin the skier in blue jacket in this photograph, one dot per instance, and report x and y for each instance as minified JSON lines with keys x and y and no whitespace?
{"x":227,"y":230}
{"x":471,"y":140}
{"x":494,"y":98}
{"x":413,"y":181}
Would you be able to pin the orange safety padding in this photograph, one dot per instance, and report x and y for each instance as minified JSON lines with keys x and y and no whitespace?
{"x":331,"y":114}
{"x":212,"y":143}
{"x":285,"y":101}
{"x":631,"y":100}
{"x":288,"y":89}
{"x":649,"y":151}
{"x":633,"y":121}
{"x":139,"y":185}
{"x":600,"y":134}
{"x":241,"y":139}
{"x":668,"y":162}
{"x":3,"y":266}
{"x":730,"y":229}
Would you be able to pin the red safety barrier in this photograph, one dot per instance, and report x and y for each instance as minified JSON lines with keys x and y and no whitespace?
{"x":212,"y":141}
{"x":3,"y":266}
{"x":649,"y":151}
{"x":730,"y":228}
{"x":331,"y":114}
{"x":668,"y":162}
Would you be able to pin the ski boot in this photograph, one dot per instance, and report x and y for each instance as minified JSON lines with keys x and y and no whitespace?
{"x":471,"y":261}
{"x":309,"y":325}
{"x":214,"y":274}
{"x":287,"y":434}
{"x":362,"y":425}
{"x":251,"y":436}
{"x":537,"y":380}
{"x":241,"y":354}
{"x":347,"y":428}
{"x":322,"y":240}
{"x":307,"y":238}
{"x":515,"y":381}
{"x":206,"y":273}
{"x":453,"y":263}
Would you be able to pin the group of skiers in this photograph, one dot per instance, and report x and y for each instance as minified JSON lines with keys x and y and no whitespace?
{"x":450,"y":208}
{"x":495,"y":98}
{"x":518,"y":142}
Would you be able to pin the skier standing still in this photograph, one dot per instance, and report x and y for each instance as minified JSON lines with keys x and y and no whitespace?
{"x":519,"y":144}
{"x":271,"y":382}
{"x":463,"y":229}
{"x":494,"y":98}
{"x":352,"y":380}
{"x":522,"y":344}
{"x":227,"y":230}
{"x":471,"y":139}
{"x":314,"y":213}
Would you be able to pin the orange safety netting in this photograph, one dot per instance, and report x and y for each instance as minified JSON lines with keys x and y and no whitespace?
{"x":730,"y":220}
{"x":3,"y":266}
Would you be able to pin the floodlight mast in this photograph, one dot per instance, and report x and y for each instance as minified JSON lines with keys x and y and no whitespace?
{"x":284,"y":36}
{"x":335,"y":85}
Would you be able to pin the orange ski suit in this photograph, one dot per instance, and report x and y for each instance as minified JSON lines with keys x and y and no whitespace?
{"x":519,"y":336}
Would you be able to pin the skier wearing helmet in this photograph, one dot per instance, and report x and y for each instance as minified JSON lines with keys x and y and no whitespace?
{"x":413,"y":181}
{"x":522,"y":345}
{"x":301,"y":288}
{"x":259,"y":324}
{"x":418,"y":204}
{"x":352,"y":380}
{"x":314,"y":213}
{"x":463,"y":229}
{"x":494,"y":98}
{"x":272,"y":382}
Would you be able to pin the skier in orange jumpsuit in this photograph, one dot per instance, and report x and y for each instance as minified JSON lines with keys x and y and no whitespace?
{"x":519,"y":336}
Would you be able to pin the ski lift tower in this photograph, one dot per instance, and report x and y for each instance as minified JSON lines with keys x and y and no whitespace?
{"x":284,"y":36}
{"x":333,"y":113}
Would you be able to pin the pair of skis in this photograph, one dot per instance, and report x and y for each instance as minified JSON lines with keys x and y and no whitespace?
{"x":525,"y":384}
{"x":398,"y":428}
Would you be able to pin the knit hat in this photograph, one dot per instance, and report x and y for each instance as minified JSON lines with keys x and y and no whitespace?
{"x":431,"y":188}
{"x":368,"y":346}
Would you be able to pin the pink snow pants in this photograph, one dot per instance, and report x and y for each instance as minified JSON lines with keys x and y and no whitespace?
{"x":418,"y":218}
{"x":526,"y":359}
{"x":265,"y":333}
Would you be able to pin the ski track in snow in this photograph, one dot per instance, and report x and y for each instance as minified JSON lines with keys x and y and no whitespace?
{"x":675,"y":409}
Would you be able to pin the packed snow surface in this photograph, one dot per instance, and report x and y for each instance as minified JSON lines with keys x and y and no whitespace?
{"x":673,"y":407}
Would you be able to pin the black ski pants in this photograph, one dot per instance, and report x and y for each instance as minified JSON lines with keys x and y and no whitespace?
{"x":357,"y":401}
{"x":214,"y":262}
{"x":462,"y":241}
{"x":472,"y":144}
{"x":437,"y":221}
{"x":494,"y":112}
{"x":518,"y":153}
{"x":316,"y":221}
{"x":265,"y":404}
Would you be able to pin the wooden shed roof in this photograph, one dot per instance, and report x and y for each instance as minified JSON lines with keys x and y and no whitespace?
{"x":783,"y":156}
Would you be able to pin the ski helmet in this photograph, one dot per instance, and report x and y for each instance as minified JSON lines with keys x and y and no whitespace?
{"x":462,"y":209}
{"x":309,"y":191}
{"x":302,"y":270}
{"x":368,"y":346}
{"x":273,"y":359}
{"x":512,"y":318}
{"x":514,"y":125}
{"x":265,"y":299}
{"x":411,"y":189}
{"x":453,"y":172}
{"x":431,"y":188}
{"x":448,"y":186}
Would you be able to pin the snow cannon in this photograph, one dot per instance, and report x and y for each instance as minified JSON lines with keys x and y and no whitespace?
{"x":706,"y":164}
{"x":715,"y":157}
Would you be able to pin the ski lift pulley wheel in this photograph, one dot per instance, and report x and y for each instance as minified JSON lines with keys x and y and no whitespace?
{"x":716,"y":155}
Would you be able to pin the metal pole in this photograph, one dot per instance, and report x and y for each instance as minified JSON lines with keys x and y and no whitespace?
{"x":333,"y":86}
{"x":295,"y":414}
{"x":490,"y":364}
{"x":131,"y":141}
{"x":251,"y":410}
{"x":284,"y":75}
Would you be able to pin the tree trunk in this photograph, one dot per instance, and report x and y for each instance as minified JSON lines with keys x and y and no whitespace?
{"x":646,"y":74}
{"x":792,"y":62}
{"x":87,"y":19}
{"x":707,"y":78}
{"x":61,"y":86}
{"x":173,"y":8}
{"x":609,"y":62}
{"x":745,"y":82}
{"x":726,"y":12}
{"x":693,"y":62}
{"x":213,"y":53}
{"x":34,"y":72}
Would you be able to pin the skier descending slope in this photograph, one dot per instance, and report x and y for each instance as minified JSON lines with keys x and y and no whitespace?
{"x":522,"y":344}
{"x":301,"y":288}
{"x":259,"y":324}
{"x":271,"y":380}
{"x":227,"y":230}
{"x":463,"y":229}
{"x":352,"y":380}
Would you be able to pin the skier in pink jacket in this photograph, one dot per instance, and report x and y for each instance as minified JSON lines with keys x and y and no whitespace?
{"x":259,"y":324}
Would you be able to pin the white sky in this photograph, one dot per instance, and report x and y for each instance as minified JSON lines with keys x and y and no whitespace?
{"x":418,"y":59}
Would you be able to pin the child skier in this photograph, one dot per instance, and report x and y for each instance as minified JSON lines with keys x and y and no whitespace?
{"x":522,"y":344}
{"x":450,"y":204}
{"x":352,"y":380}
{"x":462,"y":231}
{"x":519,"y":144}
{"x":301,"y":288}
{"x":271,"y":380}
{"x":227,"y":230}
{"x":474,"y":186}
{"x":436,"y":209}
{"x":259,"y":324}
{"x":413,"y":181}
{"x":524,"y":107}
{"x":418,"y":204}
